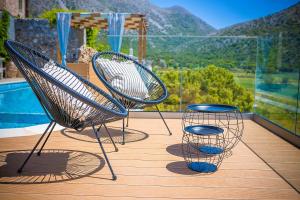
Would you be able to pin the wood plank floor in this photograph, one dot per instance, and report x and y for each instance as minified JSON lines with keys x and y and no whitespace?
{"x":283,"y":157}
{"x":149,"y":166}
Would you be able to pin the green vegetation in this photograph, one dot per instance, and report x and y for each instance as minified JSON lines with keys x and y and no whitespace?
{"x":93,"y":40}
{"x":221,"y":70}
{"x":277,"y":99}
{"x":277,"y":80}
{"x":246,"y":80}
{"x":285,"y":21}
{"x":230,"y":53}
{"x":204,"y":85}
{"x":4,"y":25}
{"x":278,"y":115}
{"x":51,"y":14}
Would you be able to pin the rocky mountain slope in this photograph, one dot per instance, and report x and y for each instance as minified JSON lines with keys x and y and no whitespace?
{"x":162,"y":21}
{"x":229,"y":52}
{"x":286,"y":21}
{"x":177,"y":20}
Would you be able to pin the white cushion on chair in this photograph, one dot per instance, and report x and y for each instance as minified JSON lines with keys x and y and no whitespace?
{"x":71,"y":81}
{"x":124,"y":77}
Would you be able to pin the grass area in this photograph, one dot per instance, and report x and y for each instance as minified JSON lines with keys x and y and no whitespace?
{"x":280,"y":116}
{"x":278,"y":98}
{"x":246,"y":80}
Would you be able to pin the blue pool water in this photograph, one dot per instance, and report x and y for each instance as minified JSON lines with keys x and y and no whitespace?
{"x":19,"y":106}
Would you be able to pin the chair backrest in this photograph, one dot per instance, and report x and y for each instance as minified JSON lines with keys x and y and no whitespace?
{"x":121,"y":65}
{"x":67,"y":98}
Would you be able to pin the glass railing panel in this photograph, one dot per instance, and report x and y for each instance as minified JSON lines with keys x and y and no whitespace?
{"x":298,"y":108}
{"x":161,"y":53}
{"x":200,"y":69}
{"x":160,"y":60}
{"x":277,"y":80}
{"x":222,"y":72}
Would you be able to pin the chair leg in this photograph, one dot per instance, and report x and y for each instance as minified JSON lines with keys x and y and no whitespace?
{"x":40,"y":151}
{"x":163,"y":120}
{"x":127,"y":122}
{"x":30,"y":154}
{"x":123,"y":132}
{"x":114,"y":177}
{"x":116,"y":148}
{"x":98,"y":129}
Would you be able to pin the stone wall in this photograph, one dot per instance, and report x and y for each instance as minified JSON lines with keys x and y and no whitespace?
{"x":38,"y":34}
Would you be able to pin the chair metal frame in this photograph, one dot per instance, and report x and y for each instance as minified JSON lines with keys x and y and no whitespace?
{"x":156,"y":88}
{"x":64,"y":104}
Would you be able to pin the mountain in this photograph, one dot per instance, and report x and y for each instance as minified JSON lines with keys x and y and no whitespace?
{"x":286,"y":21}
{"x":277,"y":49}
{"x":277,"y":45}
{"x":230,"y":52}
{"x":162,"y":21}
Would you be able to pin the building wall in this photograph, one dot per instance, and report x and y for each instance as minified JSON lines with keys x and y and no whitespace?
{"x":12,"y":6}
{"x":2,"y":4}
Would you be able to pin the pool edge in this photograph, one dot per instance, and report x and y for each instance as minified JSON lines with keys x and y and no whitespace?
{"x":26,"y":131}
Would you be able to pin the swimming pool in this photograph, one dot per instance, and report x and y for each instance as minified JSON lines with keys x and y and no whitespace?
{"x":19,"y":106}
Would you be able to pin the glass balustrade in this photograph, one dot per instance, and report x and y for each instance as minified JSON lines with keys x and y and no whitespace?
{"x":257,"y":74}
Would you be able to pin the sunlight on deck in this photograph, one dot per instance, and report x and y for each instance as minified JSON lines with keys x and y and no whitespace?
{"x":149,"y":165}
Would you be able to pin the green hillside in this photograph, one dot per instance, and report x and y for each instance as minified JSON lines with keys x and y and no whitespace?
{"x":286,"y":21}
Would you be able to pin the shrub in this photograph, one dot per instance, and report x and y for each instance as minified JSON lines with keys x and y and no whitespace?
{"x":210,"y":84}
{"x":4,"y":25}
{"x":94,"y":42}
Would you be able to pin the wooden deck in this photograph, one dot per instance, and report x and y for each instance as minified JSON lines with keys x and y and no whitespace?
{"x":149,"y":166}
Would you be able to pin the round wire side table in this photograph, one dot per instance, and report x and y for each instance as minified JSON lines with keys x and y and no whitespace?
{"x":209,"y":132}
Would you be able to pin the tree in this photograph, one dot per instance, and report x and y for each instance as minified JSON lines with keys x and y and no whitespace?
{"x":204,"y":85}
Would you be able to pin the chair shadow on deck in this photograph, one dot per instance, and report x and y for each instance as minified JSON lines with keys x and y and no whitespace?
{"x":51,"y":167}
{"x":87,"y":135}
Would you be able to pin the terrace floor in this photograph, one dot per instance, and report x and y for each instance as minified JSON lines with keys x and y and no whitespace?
{"x":149,"y":166}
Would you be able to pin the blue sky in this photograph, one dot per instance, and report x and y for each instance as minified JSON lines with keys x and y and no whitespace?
{"x":222,"y":13}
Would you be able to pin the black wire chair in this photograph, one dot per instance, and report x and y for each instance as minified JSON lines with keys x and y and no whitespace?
{"x":157,"y":91}
{"x":67,"y":99}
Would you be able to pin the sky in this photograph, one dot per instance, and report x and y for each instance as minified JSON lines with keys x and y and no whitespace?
{"x":223,"y":13}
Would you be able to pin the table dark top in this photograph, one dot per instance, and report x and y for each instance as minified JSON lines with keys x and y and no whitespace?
{"x":204,"y":130}
{"x":212,"y":108}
